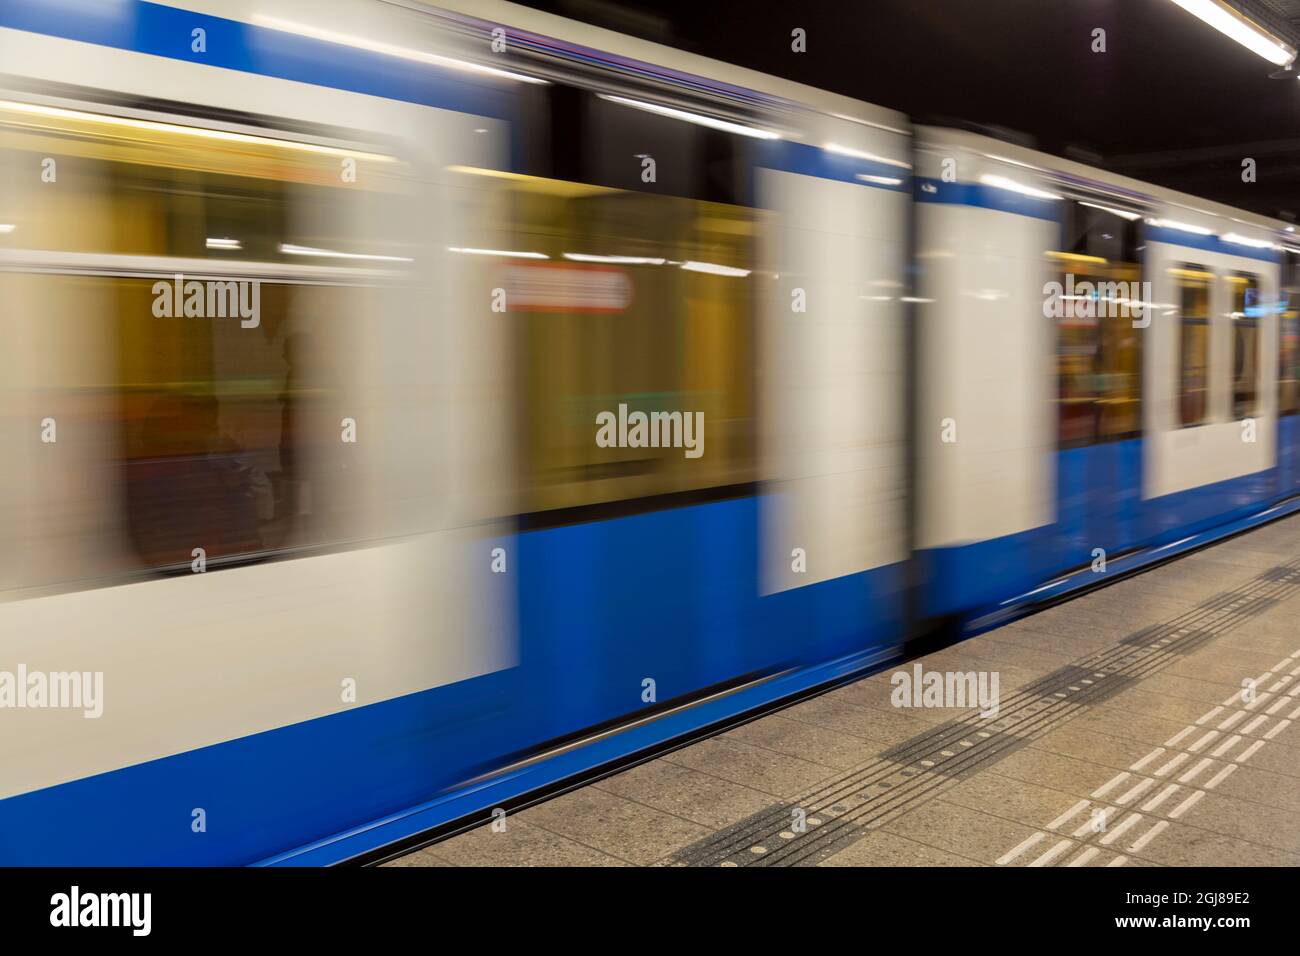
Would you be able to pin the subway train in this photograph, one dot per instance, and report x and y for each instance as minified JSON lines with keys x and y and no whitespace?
{"x":409,"y":408}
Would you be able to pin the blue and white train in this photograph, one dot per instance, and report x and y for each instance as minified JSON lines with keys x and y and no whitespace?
{"x":307,"y":545}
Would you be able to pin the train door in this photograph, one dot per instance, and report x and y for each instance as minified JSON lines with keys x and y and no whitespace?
{"x":833,"y":360}
{"x":1099,"y":379}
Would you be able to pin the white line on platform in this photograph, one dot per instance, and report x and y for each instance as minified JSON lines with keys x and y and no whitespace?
{"x":1115,"y":781}
{"x":1148,"y":758}
{"x":1259,"y":719}
{"x":1147,"y":837}
{"x":1249,"y":751}
{"x":1019,"y":849}
{"x":1159,"y":798}
{"x":1235,"y":716}
{"x":1127,"y":824}
{"x":1227,"y":745}
{"x":1101,"y":816}
{"x":1178,"y":758}
{"x":1142,"y":787}
{"x":1195,"y":770}
{"x":1186,"y":805}
{"x":1219,"y":777}
{"x":1053,"y":853}
{"x":1067,"y":815}
{"x":1210,"y":716}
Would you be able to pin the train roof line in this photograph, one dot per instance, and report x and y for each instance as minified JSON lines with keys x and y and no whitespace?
{"x":618,"y":50}
{"x":1081,"y":173}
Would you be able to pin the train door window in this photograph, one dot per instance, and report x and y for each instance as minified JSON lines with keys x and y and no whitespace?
{"x":1246,"y":311}
{"x":643,"y":305}
{"x":1288,"y":372}
{"x":1192,"y":285}
{"x":1099,"y":363}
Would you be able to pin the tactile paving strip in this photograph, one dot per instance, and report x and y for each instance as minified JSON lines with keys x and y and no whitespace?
{"x":840,"y":811}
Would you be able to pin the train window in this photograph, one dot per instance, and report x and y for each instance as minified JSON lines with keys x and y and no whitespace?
{"x":1099,"y":359}
{"x":630,"y":148}
{"x":219,"y":401}
{"x":1192,"y":283}
{"x":1243,"y":289}
{"x":689,"y":160}
{"x":637,"y":298}
{"x":229,"y":436}
{"x":646,"y":306}
{"x":177,"y":193}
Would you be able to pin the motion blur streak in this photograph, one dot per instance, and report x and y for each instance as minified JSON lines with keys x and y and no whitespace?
{"x":311,"y":312}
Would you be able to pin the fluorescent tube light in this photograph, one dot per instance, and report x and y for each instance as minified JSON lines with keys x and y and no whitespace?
{"x":1246,"y":32}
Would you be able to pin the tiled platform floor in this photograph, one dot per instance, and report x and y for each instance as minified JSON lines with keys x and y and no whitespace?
{"x":1124,"y":738}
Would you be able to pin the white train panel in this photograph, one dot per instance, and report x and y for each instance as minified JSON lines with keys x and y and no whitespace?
{"x":832,"y":378}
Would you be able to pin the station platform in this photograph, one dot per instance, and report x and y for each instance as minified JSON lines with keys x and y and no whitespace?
{"x":1153,"y":722}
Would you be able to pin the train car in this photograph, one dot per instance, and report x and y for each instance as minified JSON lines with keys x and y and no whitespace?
{"x":411,"y":408}
{"x":232,"y":331}
{"x":315,"y":314}
{"x":1169,"y":417}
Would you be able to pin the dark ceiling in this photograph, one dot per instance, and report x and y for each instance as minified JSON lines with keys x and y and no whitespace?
{"x":1280,"y":16}
{"x":1171,"y":101}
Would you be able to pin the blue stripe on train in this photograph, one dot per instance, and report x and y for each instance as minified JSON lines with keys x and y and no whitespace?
{"x":167,"y":32}
{"x":670,"y":595}
{"x":1288,"y":455}
{"x":982,"y":196}
{"x":822,"y":163}
{"x":1099,"y":501}
{"x":1099,"y":505}
{"x":1190,"y":240}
